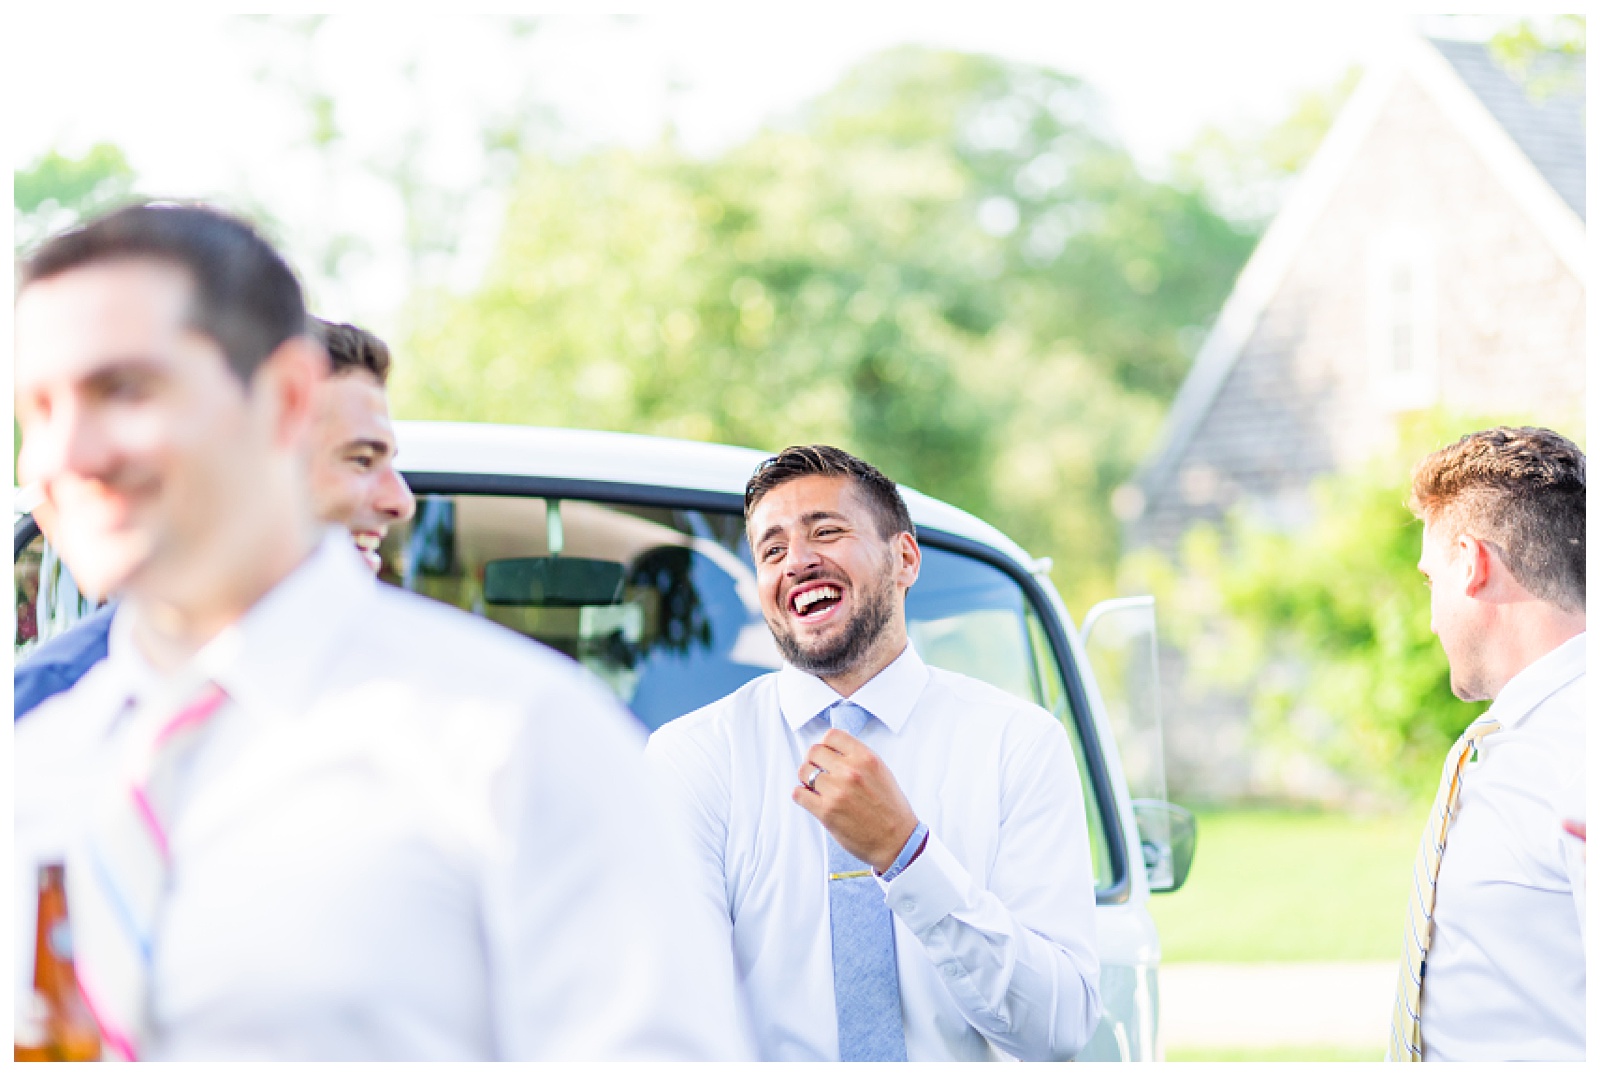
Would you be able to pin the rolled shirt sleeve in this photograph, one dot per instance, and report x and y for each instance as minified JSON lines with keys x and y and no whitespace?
{"x":1023,"y":972}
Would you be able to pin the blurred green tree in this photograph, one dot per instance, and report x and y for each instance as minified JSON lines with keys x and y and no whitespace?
{"x":1325,"y":629}
{"x":944,"y":264}
{"x":1546,"y":54}
{"x":55,"y":191}
{"x":1246,"y":170}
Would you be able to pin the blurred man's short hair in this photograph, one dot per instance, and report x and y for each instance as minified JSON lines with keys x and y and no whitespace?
{"x":1520,"y":490}
{"x":888,"y":508}
{"x":246,"y":298}
{"x":353,"y":349}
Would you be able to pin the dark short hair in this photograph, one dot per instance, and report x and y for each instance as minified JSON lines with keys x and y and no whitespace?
{"x":353,"y":349}
{"x":881,"y":493}
{"x":246,"y":298}
{"x":1519,"y":489}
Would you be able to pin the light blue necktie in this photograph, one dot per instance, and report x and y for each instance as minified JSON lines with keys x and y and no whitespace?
{"x":866,"y":990}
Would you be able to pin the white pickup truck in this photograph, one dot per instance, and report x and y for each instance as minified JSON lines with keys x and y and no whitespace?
{"x":628,"y":553}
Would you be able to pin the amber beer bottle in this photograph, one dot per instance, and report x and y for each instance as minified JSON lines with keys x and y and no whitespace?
{"x":68,"y":1028}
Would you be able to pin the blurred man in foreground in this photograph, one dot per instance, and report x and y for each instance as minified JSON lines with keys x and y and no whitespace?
{"x":353,"y":483}
{"x":931,"y":896}
{"x":304,"y":815}
{"x":1494,"y":942}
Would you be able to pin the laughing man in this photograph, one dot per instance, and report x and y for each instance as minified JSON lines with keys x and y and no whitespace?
{"x":898,"y":853}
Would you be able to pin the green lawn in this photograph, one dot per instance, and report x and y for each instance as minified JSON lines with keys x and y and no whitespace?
{"x":1291,"y":885}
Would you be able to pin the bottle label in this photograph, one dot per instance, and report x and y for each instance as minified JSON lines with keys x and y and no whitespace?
{"x":61,"y":940}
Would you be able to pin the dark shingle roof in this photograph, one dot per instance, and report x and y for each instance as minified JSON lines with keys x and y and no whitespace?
{"x":1548,"y":128}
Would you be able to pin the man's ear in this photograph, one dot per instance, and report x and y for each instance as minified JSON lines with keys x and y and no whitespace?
{"x":1476,"y":562}
{"x":908,"y":560}
{"x":286,"y":381}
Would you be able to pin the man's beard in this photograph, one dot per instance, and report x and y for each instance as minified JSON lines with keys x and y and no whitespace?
{"x":852,"y":644}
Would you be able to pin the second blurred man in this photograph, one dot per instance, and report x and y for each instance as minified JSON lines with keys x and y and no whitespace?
{"x":353,"y":483}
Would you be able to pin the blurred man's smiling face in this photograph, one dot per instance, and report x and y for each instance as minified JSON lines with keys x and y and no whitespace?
{"x":353,"y":479}
{"x":140,"y":436}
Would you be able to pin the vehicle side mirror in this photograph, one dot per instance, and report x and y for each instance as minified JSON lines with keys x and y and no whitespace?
{"x":1167,"y":835}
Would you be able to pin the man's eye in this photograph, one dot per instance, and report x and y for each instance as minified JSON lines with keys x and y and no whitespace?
{"x":363,"y":461}
{"x":124,"y":388}
{"x":771,"y":553}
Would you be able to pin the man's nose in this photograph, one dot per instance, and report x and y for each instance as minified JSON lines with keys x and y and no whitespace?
{"x":394,"y":496}
{"x":68,"y":442}
{"x":801,"y":557}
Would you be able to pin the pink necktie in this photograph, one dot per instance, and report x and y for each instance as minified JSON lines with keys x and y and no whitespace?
{"x":119,"y":878}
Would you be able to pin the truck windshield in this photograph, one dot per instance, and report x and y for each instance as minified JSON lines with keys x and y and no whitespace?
{"x":661,"y":603}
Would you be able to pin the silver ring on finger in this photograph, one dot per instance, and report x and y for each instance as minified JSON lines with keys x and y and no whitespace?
{"x":811,"y":781}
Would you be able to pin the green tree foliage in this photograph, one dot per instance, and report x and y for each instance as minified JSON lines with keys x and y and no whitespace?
{"x":945,"y":264}
{"x":1246,"y":170}
{"x":56,"y":191}
{"x":1325,"y":628}
{"x":1546,"y":55}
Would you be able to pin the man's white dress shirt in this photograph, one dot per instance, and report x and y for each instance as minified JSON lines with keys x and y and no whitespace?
{"x":1505,"y":977}
{"x":411,"y":835}
{"x":994,"y":922}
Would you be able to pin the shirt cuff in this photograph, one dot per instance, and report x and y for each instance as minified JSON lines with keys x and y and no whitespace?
{"x":907,"y":853}
{"x":929,"y":889}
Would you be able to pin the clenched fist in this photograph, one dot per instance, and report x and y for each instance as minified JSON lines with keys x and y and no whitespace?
{"x":856,"y":799}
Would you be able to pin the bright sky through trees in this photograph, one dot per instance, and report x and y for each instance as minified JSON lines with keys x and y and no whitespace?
{"x":217,"y":105}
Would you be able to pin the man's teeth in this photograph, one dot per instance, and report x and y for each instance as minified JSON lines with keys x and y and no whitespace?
{"x":812,"y":596}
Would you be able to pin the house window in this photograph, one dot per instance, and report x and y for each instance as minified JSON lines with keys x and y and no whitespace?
{"x":1403,"y":332}
{"x":1402,"y":322}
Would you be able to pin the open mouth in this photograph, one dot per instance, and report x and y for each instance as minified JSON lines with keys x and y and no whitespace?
{"x":367,"y":543}
{"x":814,"y":602}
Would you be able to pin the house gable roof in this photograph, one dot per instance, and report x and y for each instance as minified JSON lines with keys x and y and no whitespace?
{"x":1549,"y":129}
{"x":1427,"y":63}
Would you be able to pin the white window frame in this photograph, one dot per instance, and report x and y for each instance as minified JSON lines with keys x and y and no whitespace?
{"x":1388,"y":253}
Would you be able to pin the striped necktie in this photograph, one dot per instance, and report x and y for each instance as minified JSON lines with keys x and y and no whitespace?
{"x":866,"y":988}
{"x":1405,"y":1025}
{"x":117,"y":895}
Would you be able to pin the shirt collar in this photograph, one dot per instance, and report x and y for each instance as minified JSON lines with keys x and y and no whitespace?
{"x":1533,"y":684}
{"x":125,"y":665}
{"x":890,"y":695}
{"x":124,"y":676}
{"x":269,"y":660}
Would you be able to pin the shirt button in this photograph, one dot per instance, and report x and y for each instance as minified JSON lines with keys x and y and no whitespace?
{"x":907,"y":907}
{"x":952,"y":969}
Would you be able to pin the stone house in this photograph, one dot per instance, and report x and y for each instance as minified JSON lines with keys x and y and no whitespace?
{"x":1431,"y":254}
